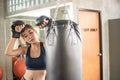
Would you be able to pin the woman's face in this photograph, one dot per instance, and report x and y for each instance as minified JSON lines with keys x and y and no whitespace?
{"x":30,"y":36}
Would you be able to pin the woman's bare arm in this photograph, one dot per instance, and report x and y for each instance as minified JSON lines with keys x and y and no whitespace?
{"x":14,"y":52}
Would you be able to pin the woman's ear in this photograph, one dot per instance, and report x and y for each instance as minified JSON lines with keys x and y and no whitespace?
{"x":35,"y":31}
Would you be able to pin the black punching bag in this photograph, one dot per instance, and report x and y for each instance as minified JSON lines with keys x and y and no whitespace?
{"x":63,"y":46}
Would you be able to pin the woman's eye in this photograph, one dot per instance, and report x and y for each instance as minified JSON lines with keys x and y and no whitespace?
{"x":30,"y":32}
{"x":25,"y":36}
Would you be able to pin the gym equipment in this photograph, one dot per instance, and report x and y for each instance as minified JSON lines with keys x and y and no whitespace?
{"x":63,"y":46}
{"x":15,"y":34}
{"x":19,"y":68}
{"x":14,"y":59}
{"x":16,"y":23}
{"x":41,"y":19}
{"x":64,"y":50}
{"x":1,"y":73}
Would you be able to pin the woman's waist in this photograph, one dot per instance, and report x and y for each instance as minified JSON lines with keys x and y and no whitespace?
{"x":35,"y":73}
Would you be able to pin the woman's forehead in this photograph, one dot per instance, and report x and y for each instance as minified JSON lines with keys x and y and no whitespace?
{"x":27,"y":31}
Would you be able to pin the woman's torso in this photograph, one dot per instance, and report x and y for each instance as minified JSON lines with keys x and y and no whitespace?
{"x":35,"y":74}
{"x":36,"y":66}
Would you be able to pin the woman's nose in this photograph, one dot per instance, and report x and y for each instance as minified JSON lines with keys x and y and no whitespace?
{"x":29,"y":37}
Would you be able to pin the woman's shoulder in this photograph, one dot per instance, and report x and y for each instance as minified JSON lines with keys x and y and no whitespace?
{"x":42,"y":43}
{"x":25,"y":48}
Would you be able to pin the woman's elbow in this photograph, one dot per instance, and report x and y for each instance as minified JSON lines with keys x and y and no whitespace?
{"x":8,"y":53}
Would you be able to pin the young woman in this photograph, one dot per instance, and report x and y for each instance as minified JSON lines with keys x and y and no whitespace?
{"x":35,"y":52}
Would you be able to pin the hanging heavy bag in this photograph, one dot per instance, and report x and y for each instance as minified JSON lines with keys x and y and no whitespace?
{"x":1,"y":73}
{"x":63,"y":49}
{"x":63,"y":46}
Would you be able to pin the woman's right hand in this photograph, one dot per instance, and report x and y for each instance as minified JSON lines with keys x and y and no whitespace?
{"x":19,"y":28}
{"x":17,"y":31}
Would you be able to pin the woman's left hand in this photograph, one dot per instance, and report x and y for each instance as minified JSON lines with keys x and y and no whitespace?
{"x":44,"y":24}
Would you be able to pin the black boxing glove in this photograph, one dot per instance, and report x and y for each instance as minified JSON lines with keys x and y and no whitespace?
{"x":16,"y":23}
{"x":41,"y":19}
{"x":15,"y":34}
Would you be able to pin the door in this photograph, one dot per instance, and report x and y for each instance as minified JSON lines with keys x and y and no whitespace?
{"x":89,"y":24}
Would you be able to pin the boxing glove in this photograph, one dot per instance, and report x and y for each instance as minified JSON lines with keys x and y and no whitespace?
{"x":16,"y":34}
{"x":16,"y":23}
{"x":41,"y":19}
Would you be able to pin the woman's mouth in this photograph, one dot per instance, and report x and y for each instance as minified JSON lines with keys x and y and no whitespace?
{"x":31,"y":40}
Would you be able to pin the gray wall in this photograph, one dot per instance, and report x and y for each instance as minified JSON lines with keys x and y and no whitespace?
{"x":109,"y":9}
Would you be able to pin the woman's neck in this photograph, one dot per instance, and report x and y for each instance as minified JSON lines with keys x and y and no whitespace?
{"x":35,"y":44}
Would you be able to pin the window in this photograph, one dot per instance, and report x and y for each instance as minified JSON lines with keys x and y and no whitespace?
{"x":14,"y":5}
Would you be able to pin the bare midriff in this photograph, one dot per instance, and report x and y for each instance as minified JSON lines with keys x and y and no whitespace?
{"x":35,"y":74}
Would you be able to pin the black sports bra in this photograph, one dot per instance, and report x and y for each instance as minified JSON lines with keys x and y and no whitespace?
{"x":38,"y":63}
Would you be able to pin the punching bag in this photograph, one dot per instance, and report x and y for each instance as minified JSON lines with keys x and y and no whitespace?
{"x":1,"y":73}
{"x":63,"y":47}
{"x":14,"y":59}
{"x":19,"y":68}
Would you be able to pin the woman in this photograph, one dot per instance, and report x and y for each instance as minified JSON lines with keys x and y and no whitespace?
{"x":35,"y":52}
